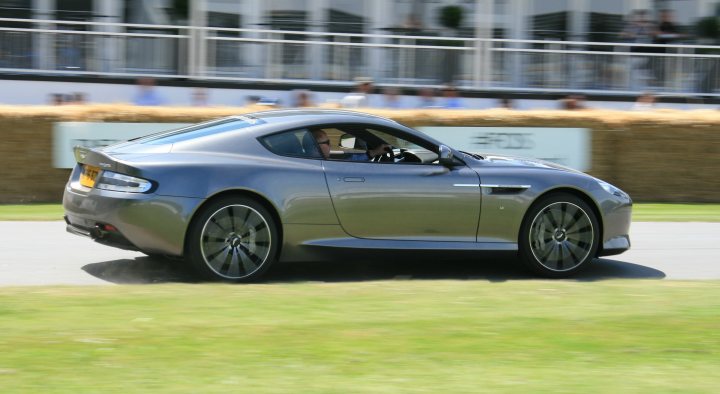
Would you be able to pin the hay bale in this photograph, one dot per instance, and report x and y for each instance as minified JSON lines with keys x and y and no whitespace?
{"x":660,"y":155}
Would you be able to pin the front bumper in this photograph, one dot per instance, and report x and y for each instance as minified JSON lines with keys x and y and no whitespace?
{"x":615,"y":245}
{"x":147,"y":222}
{"x":616,"y":227}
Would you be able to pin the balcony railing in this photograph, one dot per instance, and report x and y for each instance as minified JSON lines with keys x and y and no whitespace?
{"x":52,"y":47}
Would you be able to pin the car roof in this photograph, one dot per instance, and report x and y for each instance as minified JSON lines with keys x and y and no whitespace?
{"x":284,"y":115}
{"x":290,"y":118}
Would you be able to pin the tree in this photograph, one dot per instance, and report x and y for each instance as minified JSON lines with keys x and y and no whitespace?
{"x":451,"y":16}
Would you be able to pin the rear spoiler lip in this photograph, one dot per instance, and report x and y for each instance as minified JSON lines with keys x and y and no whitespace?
{"x":93,"y":157}
{"x":85,"y":155}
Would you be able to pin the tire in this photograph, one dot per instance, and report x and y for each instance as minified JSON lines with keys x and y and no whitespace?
{"x":232,"y":239}
{"x":559,"y":236}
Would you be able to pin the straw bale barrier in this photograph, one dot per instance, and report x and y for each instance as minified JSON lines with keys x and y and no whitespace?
{"x":662,"y":155}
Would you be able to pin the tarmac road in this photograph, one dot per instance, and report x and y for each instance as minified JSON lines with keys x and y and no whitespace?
{"x":42,"y":253}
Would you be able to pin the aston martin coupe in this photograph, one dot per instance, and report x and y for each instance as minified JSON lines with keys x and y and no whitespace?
{"x":234,"y":195}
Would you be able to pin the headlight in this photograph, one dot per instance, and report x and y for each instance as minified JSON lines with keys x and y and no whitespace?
{"x":613,"y":190}
{"x":122,"y":183}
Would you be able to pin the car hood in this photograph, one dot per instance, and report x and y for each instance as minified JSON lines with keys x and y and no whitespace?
{"x":490,"y":159}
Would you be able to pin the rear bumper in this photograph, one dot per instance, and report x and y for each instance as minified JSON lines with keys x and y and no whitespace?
{"x":97,"y":234}
{"x":147,"y":222}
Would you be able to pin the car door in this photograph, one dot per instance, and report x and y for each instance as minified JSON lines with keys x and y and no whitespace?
{"x":420,"y":202}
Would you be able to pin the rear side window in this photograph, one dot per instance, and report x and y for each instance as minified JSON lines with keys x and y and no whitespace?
{"x":201,"y":130}
{"x":295,"y":143}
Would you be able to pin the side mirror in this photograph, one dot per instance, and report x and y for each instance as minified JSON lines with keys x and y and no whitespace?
{"x":446,"y":156}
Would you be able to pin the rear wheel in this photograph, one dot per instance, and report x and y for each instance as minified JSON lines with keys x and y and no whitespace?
{"x":232,"y":239}
{"x":559,"y":236}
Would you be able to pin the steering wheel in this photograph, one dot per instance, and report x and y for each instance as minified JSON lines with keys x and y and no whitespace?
{"x":387,"y":157}
{"x":407,"y":156}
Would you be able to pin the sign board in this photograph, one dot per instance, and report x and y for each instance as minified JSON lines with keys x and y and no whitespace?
{"x":66,"y":135}
{"x":567,"y":146}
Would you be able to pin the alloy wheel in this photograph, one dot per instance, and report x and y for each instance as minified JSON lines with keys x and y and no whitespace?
{"x":235,"y":241}
{"x":561,"y":236}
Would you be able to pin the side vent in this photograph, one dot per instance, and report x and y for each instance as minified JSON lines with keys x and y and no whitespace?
{"x":505,"y":189}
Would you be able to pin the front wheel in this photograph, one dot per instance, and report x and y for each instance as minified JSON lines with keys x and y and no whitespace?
{"x":559,"y":236}
{"x":232,"y":239}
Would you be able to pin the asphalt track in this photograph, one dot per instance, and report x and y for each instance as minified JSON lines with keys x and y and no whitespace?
{"x":42,"y":253}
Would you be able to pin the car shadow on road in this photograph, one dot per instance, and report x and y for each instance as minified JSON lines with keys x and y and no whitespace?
{"x":497,"y":269}
{"x":492,"y":270}
{"x":141,"y":270}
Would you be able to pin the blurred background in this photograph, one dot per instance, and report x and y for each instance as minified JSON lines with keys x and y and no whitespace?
{"x":399,"y":54}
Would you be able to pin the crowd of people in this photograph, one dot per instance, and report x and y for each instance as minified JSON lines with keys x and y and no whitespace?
{"x":362,"y":96}
{"x":642,"y":29}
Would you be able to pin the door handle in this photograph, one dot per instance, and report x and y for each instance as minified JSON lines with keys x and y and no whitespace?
{"x":354,"y":179}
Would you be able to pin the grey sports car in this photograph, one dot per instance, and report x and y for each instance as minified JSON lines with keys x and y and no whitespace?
{"x":232,"y":196}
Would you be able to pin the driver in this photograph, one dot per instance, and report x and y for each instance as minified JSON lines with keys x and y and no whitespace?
{"x":324,"y":142}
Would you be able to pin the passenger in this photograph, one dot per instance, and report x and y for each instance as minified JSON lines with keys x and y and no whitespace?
{"x":324,"y":143}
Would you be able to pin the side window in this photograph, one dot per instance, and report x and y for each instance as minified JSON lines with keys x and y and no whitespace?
{"x":345,"y":144}
{"x":395,"y":141}
{"x":404,"y":151}
{"x":364,"y":143}
{"x":295,"y":143}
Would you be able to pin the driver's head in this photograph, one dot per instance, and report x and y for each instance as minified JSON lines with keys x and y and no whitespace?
{"x":323,"y":142}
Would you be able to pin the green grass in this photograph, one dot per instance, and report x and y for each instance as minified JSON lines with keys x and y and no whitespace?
{"x":371,"y":337}
{"x":31,"y":212}
{"x":676,"y":212}
{"x":642,"y":212}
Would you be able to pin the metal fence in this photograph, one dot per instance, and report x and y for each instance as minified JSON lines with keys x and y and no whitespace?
{"x":206,"y":53}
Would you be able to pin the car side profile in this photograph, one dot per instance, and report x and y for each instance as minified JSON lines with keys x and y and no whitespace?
{"x":234,"y":195}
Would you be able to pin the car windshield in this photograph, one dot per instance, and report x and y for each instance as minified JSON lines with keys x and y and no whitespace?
{"x":201,"y":130}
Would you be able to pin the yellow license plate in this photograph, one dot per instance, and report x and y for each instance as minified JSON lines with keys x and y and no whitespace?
{"x":89,"y":173}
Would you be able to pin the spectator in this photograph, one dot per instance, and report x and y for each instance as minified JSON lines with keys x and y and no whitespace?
{"x":426,"y":97}
{"x":573,"y":102}
{"x":452,"y":98}
{"x":506,"y":103}
{"x":199,"y":97}
{"x":667,"y":30}
{"x":639,"y":29}
{"x":412,"y":23}
{"x":252,"y":100}
{"x":666,"y":33}
{"x":147,"y":95}
{"x":360,"y":97}
{"x":303,"y":99}
{"x":78,"y":98}
{"x":391,"y":97}
{"x":57,"y":99}
{"x":644,"y":102}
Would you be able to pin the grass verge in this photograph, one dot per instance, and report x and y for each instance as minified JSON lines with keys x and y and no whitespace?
{"x":372,"y":337}
{"x":29,"y":212}
{"x":642,"y":212}
{"x":646,"y":212}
